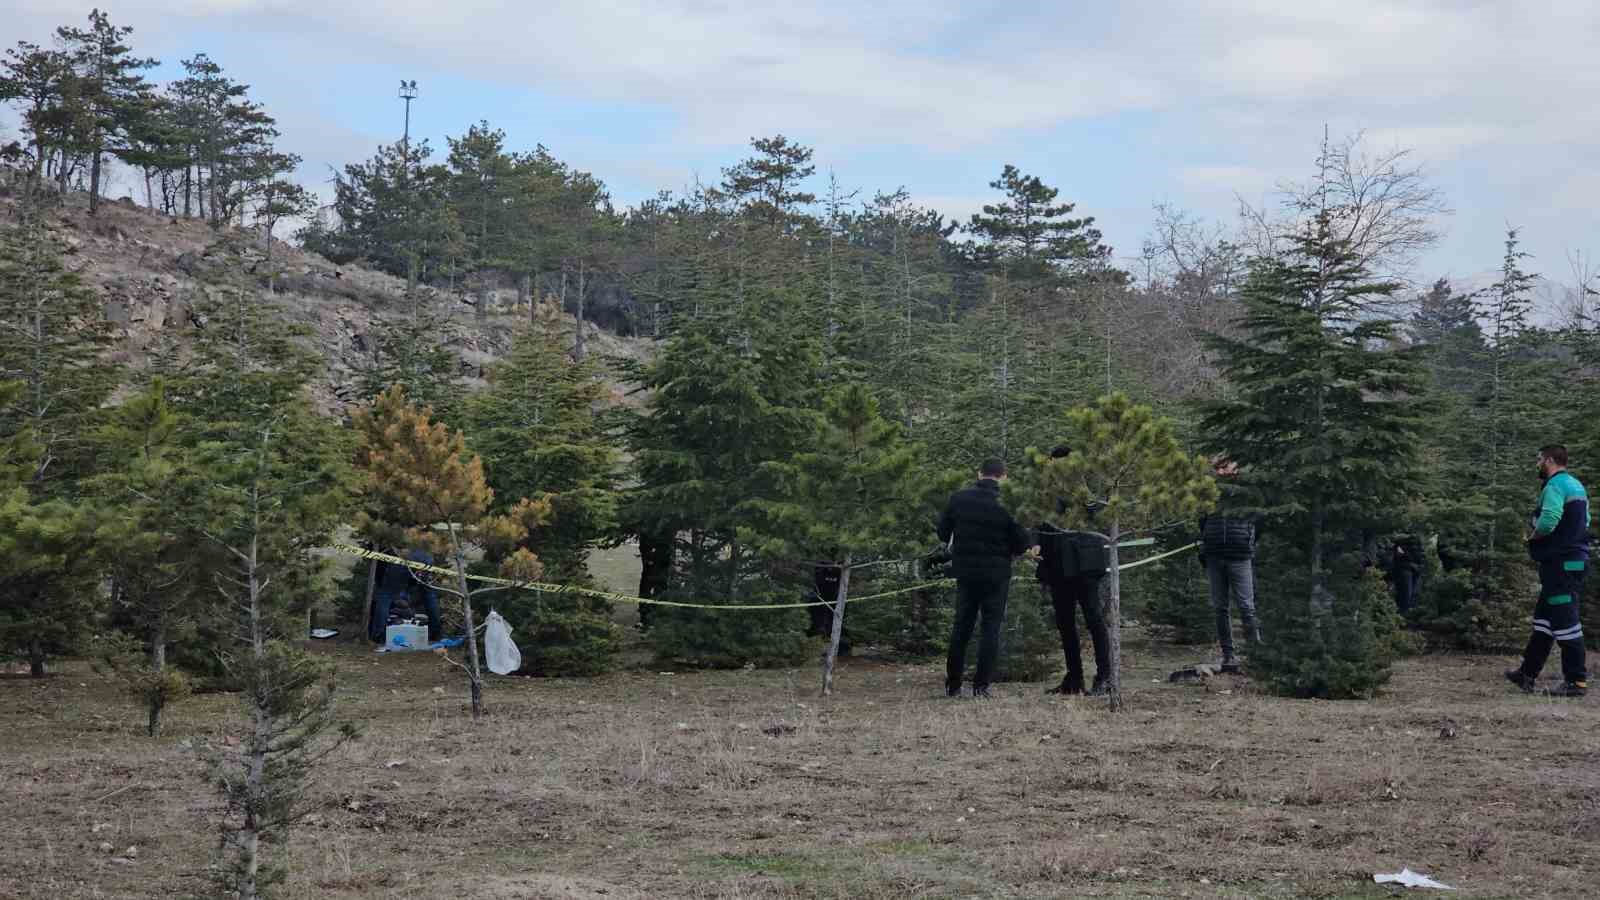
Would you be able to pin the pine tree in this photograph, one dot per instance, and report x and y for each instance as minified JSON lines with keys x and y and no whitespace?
{"x":112,"y":95}
{"x":423,"y":472}
{"x":1446,"y":324}
{"x":41,"y":81}
{"x":266,"y":493}
{"x":1031,"y":237}
{"x":1125,"y":463}
{"x":537,"y":432}
{"x":850,"y":501}
{"x":393,"y":212}
{"x":768,"y":186}
{"x":1325,"y":422}
{"x":154,"y":564}
{"x":52,"y":335}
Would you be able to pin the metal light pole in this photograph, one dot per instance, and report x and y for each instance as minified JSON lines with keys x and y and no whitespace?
{"x":408,"y":93}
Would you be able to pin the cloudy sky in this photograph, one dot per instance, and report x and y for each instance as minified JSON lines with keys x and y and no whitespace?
{"x":1121,"y":105}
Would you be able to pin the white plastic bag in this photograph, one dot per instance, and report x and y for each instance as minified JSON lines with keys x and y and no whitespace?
{"x":504,"y":657}
{"x":1409,"y":878}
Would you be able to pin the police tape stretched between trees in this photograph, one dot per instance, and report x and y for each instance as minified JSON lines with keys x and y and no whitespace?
{"x":980,"y":539}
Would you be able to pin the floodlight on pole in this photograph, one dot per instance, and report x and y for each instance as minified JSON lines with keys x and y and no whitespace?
{"x":408,"y":93}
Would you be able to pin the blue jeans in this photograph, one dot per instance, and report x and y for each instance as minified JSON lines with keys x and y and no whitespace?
{"x":1233,"y":582}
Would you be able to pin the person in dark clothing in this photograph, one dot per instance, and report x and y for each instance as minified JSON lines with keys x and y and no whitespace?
{"x":400,"y":587}
{"x":983,"y":539}
{"x":1228,"y":551}
{"x":825,"y":580}
{"x":1405,"y":572}
{"x":1559,"y":542}
{"x":1067,"y":596}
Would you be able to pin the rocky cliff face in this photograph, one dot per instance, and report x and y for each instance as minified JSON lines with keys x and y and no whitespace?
{"x":151,"y":271}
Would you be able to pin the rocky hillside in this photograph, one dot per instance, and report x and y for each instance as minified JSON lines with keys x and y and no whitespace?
{"x":151,"y":270}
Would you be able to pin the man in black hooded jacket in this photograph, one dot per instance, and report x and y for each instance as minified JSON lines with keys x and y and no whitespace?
{"x":1068,"y":594}
{"x":983,"y":539}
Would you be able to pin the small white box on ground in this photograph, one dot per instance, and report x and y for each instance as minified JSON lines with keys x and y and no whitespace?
{"x":406,"y":637}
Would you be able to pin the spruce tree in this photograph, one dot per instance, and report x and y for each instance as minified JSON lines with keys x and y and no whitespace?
{"x":1324,"y":421}
{"x":851,"y":500}
{"x":536,"y":429}
{"x":734,"y":387}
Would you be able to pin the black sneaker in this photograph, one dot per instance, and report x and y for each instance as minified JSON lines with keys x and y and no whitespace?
{"x":952,"y":691}
{"x":1068,"y":686}
{"x":1573,"y":689}
{"x":1099,"y":689}
{"x":981,"y":693}
{"x":1524,"y":682}
{"x":1231,"y":666}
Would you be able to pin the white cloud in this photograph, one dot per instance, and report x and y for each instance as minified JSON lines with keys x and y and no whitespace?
{"x":1239,"y":89}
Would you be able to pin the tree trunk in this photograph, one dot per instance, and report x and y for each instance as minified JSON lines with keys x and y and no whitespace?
{"x":1113,"y":618}
{"x":582,"y":283}
{"x":36,"y":658}
{"x":838,"y":628}
{"x":94,"y":182}
{"x":260,"y":739}
{"x":158,"y":664}
{"x":372,"y":583}
{"x":474,"y":671}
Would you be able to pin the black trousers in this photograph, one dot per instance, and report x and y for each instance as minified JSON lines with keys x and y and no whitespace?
{"x":1407,"y":585}
{"x":1068,"y":595}
{"x":1556,"y":621}
{"x":975,"y":597}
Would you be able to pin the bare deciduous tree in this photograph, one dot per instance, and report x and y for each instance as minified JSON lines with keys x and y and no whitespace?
{"x":1381,"y":205}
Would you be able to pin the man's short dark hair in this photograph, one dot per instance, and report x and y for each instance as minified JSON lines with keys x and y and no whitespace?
{"x":1556,"y":453}
{"x":1062,"y":451}
{"x":992,"y":468}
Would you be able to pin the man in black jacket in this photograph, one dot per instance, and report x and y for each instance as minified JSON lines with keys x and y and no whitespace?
{"x":983,"y":539}
{"x":1068,"y":594}
{"x":1228,"y":551}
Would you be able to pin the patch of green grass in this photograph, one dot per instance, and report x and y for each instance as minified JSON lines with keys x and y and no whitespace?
{"x":790,"y":867}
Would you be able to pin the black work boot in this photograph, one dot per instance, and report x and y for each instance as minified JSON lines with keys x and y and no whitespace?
{"x":1525,"y":682}
{"x":952,"y":690}
{"x":1572,"y":689}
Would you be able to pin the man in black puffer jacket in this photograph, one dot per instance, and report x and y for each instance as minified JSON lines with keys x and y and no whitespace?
{"x":983,"y":539}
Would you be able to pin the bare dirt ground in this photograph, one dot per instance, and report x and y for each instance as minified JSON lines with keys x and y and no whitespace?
{"x":746,"y":785}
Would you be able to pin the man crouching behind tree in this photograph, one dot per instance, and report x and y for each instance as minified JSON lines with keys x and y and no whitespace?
{"x":983,"y":539}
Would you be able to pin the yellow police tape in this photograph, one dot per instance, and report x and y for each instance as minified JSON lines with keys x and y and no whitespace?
{"x":625,"y":598}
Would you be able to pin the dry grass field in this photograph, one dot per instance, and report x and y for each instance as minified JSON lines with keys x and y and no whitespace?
{"x":745,"y":784}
